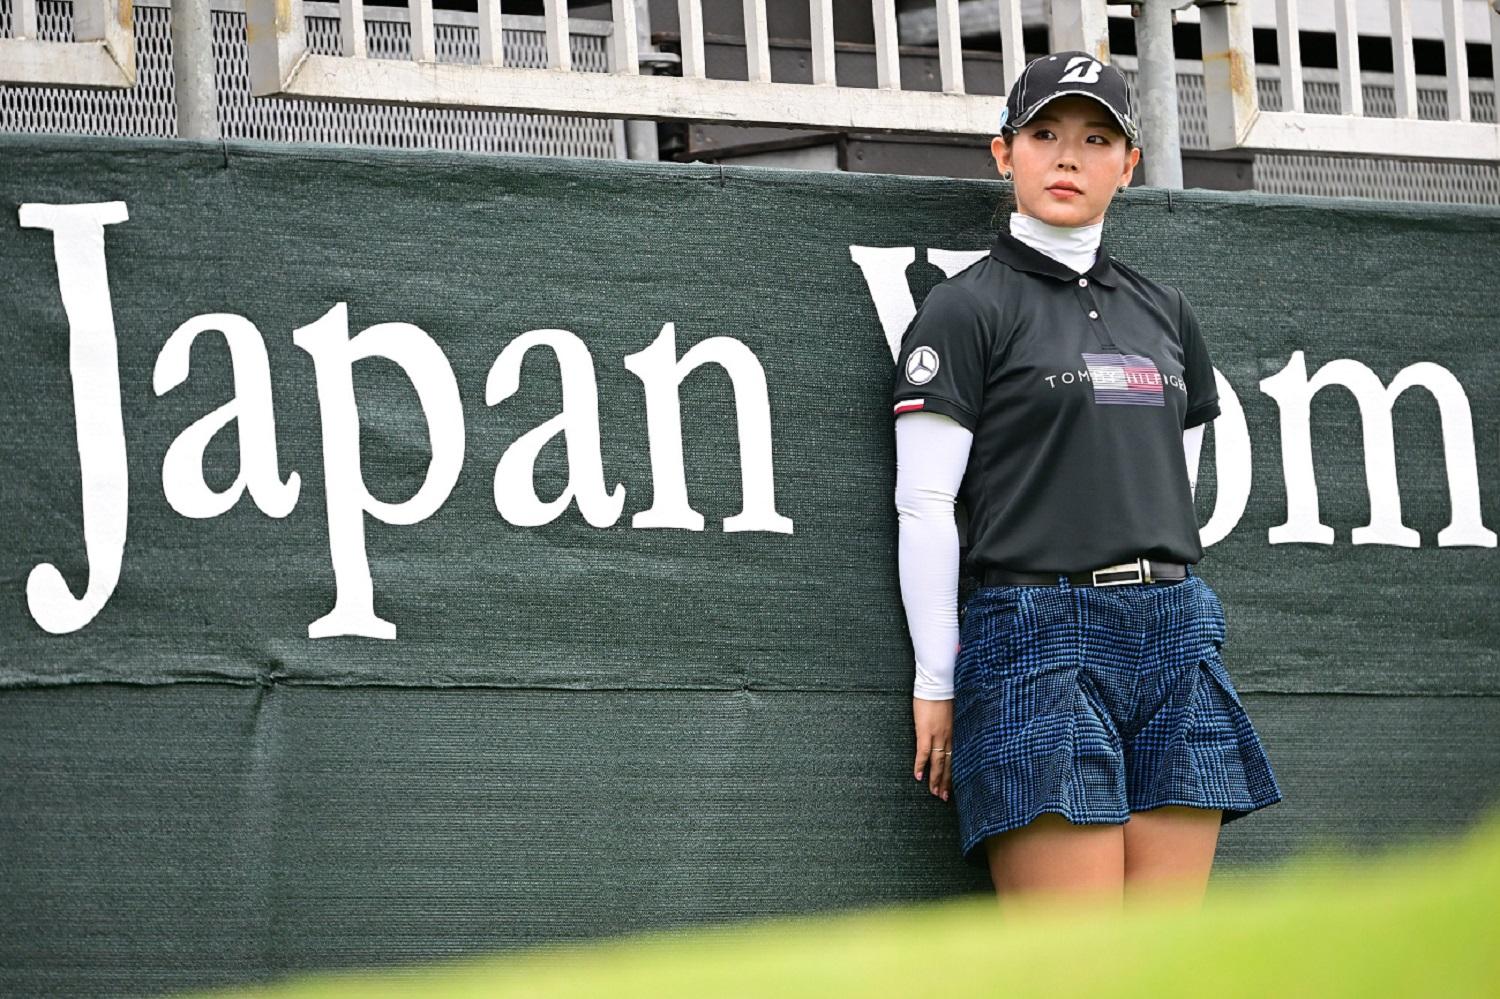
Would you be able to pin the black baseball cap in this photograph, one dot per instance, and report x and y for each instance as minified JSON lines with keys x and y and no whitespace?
{"x":1049,"y":76}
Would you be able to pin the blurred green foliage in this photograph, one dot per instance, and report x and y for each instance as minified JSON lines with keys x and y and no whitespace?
{"x":1418,"y":921}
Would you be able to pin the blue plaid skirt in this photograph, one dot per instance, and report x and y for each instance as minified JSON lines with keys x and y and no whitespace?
{"x":1094,"y":702}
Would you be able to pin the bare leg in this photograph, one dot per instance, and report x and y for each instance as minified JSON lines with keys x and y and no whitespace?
{"x":1170,"y":850}
{"x":1052,"y":859}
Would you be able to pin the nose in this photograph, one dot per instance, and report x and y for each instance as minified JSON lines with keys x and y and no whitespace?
{"x":1067,"y":156}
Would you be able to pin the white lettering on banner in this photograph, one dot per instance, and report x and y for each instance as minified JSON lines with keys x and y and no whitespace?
{"x":347,"y":498}
{"x":250,"y":410}
{"x":78,"y":244}
{"x":1293,"y":392}
{"x":83,"y":280}
{"x":1232,"y":465}
{"x":515,"y":475}
{"x":884,"y":271}
{"x":661,"y":373}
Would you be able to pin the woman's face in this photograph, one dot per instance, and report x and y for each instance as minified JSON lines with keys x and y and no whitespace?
{"x":1067,"y":161}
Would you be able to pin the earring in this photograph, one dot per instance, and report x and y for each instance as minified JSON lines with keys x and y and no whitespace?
{"x":1005,"y":175}
{"x":1124,"y":187}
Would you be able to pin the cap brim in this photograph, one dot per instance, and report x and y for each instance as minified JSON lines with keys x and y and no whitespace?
{"x":1125,"y":129}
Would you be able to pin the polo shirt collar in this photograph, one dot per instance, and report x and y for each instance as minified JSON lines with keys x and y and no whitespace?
{"x":1009,"y":250}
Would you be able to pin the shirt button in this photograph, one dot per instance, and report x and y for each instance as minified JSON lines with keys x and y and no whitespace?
{"x":1083,"y":282}
{"x":1093,"y":314}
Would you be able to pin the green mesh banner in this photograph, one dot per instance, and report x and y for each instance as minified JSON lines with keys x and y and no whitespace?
{"x":595,"y":461}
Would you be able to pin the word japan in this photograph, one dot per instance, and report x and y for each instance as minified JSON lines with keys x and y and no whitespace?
{"x":78,"y":245}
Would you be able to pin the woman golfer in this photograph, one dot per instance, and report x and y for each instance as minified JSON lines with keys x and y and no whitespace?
{"x":1081,"y":713}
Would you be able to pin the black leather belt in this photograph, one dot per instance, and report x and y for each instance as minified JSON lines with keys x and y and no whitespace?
{"x":1140,"y":570}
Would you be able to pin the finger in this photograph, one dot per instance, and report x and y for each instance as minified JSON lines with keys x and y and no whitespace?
{"x":939,"y":767}
{"x":943,"y":771}
{"x":921,"y":760}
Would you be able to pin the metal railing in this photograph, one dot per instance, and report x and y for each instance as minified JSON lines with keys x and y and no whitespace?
{"x":284,"y":62}
{"x":1237,"y":121}
{"x":281,"y":63}
{"x":101,"y":54}
{"x":153,"y":106}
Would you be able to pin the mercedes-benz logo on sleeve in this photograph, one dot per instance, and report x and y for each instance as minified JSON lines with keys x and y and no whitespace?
{"x":921,"y":365}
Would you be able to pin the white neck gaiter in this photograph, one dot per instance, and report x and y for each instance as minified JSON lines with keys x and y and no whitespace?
{"x":1072,"y":246}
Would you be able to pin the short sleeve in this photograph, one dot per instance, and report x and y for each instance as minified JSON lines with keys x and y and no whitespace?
{"x":944,"y":358}
{"x":1198,"y":370}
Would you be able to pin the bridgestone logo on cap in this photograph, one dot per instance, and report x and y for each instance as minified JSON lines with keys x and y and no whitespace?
{"x":1081,"y":69}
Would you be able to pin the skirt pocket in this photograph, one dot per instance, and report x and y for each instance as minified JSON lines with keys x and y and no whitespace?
{"x":987,"y":627}
{"x":1212,"y":609}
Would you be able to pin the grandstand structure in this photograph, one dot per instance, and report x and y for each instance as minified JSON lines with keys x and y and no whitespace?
{"x":1389,"y":99}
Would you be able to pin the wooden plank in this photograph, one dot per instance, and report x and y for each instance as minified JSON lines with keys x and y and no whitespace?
{"x":1012,"y":44}
{"x":1495,"y":48}
{"x":276,"y":40}
{"x":1403,"y":60}
{"x":887,"y":46}
{"x":109,"y":22}
{"x":23,"y":19}
{"x":603,"y":95}
{"x":559,"y":51}
{"x":1457,"y":58}
{"x":950,"y":47}
{"x":423,"y":38}
{"x":1346,"y":27}
{"x":1417,"y":138}
{"x":757,"y":42}
{"x":1082,"y":25}
{"x":625,"y":39}
{"x":690,"y":25}
{"x":1228,"y":73}
{"x":30,"y":61}
{"x":491,"y":44}
{"x":820,"y":14}
{"x":352,"y":28}
{"x":1289,"y":51}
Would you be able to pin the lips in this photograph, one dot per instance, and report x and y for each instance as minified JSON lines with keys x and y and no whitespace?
{"x":1063,"y":187}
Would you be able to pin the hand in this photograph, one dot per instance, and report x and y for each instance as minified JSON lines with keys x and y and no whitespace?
{"x":934,"y":722}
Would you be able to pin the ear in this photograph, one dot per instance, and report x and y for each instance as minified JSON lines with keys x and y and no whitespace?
{"x":1130,"y":165}
{"x":1001,"y":152}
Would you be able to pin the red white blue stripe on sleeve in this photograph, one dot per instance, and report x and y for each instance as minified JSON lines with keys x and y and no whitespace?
{"x":908,"y":406}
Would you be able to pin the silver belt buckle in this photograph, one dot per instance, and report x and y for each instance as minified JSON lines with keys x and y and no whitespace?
{"x":1140,"y":567}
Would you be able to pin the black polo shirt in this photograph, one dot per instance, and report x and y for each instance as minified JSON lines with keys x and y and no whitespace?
{"x":1077,"y":389}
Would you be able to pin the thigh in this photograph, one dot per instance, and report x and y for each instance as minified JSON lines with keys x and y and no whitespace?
{"x":1050,"y":856}
{"x":1170,"y":849}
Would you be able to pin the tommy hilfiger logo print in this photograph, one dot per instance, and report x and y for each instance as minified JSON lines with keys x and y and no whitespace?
{"x":1124,"y":380}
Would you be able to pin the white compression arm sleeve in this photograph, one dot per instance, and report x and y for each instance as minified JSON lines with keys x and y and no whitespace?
{"x":932,"y":452}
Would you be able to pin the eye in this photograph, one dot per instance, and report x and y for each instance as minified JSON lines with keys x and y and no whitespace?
{"x":1044,"y":133}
